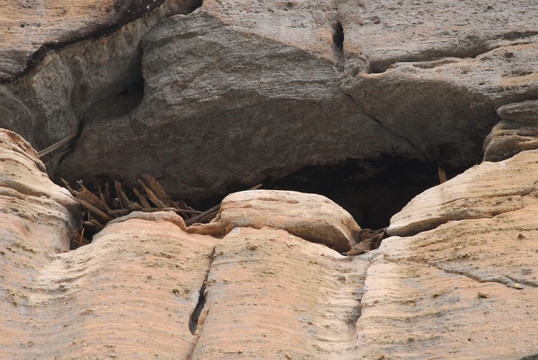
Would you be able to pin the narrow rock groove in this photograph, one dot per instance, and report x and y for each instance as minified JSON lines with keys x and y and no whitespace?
{"x":505,"y":280}
{"x":338,"y":46}
{"x":195,"y":315}
{"x":378,"y":67}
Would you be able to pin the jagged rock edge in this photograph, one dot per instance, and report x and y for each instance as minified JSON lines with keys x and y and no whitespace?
{"x":434,"y":226}
{"x":40,"y":54}
{"x":381,"y":66}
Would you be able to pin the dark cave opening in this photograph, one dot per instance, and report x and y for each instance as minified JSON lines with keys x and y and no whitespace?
{"x":370,"y":190}
{"x":370,"y":197}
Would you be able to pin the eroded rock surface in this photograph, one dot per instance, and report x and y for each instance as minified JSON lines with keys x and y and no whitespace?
{"x":147,"y":286}
{"x":273,"y":295}
{"x":37,"y":221}
{"x":237,"y":92}
{"x":463,"y":289}
{"x":309,"y":216}
{"x":483,"y":191}
{"x":29,"y":28}
{"x":67,"y":64}
{"x":231,"y":96}
{"x":518,"y":131}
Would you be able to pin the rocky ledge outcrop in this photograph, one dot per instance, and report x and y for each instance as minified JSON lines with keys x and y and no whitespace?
{"x":237,"y":92}
{"x":457,"y":280}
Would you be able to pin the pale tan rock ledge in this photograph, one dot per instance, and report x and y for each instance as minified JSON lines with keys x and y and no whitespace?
{"x":309,"y":216}
{"x":463,"y":290}
{"x":484,"y":191}
{"x":138,"y":290}
{"x":467,"y":288}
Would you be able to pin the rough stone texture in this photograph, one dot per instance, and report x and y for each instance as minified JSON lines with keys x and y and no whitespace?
{"x":466,"y":289}
{"x":483,"y":191}
{"x":37,"y":220}
{"x":129,"y":294}
{"x":440,"y":66}
{"x":267,"y":78}
{"x":228,"y":96}
{"x":134,"y":292}
{"x":308,"y":216}
{"x":461,"y":291}
{"x":29,"y":28}
{"x":441,"y":97}
{"x":271,"y":295}
{"x":518,"y":131}
{"x":88,"y":65}
{"x":240,"y":91}
{"x":233,"y":93}
{"x":525,"y":112}
{"x":147,"y":288}
{"x":413,"y":32}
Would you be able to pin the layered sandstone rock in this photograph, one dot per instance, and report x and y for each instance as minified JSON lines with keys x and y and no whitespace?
{"x":273,"y":295}
{"x":308,"y":216}
{"x":37,"y":221}
{"x":451,"y":287}
{"x":518,"y":131}
{"x":261,"y":90}
{"x":146,"y":288}
{"x":483,"y":191}
{"x":234,"y":93}
{"x":466,"y":288}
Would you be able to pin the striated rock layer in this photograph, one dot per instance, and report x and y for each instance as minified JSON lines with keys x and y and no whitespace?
{"x":147,"y":288}
{"x":465,"y":289}
{"x":37,"y":221}
{"x":241,"y":91}
{"x":458,"y":282}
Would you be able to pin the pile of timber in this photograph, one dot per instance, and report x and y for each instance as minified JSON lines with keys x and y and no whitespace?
{"x":109,"y":202}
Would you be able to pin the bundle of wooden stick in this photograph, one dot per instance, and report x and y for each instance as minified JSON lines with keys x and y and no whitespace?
{"x":109,"y":202}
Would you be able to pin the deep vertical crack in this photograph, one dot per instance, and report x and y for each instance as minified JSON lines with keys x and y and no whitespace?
{"x":195,"y":315}
{"x":338,"y":46}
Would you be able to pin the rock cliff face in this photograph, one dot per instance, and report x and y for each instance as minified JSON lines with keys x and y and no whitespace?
{"x":208,"y":97}
{"x":238,"y":92}
{"x":458,"y":281}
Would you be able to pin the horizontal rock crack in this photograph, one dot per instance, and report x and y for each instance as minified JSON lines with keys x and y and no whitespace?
{"x":508,"y":281}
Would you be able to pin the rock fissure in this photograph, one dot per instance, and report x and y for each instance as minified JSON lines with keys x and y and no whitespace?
{"x":338,"y":46}
{"x":194,"y":318}
{"x":415,"y":147}
{"x":505,"y":280}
